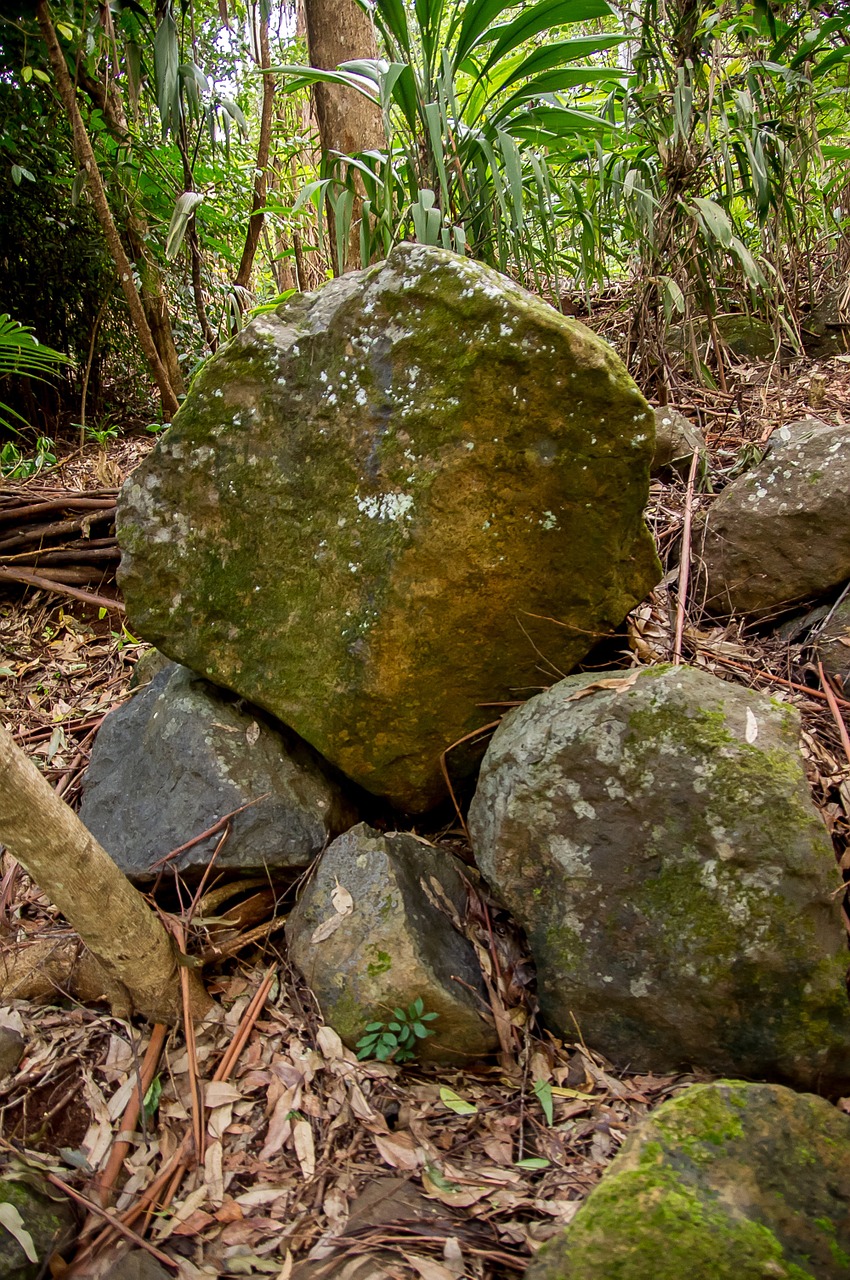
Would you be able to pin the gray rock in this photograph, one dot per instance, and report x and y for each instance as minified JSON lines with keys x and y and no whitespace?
{"x":729,"y":1181}
{"x":676,"y":442}
{"x":137,"y":1265}
{"x":654,"y":833}
{"x":179,"y":756}
{"x":11,"y":1050}
{"x":380,"y":504}
{"x":833,"y":643}
{"x":45,"y":1213}
{"x":394,"y":945}
{"x":780,"y":534}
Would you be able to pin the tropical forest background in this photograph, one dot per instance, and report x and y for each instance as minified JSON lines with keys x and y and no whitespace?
{"x":168,"y":168}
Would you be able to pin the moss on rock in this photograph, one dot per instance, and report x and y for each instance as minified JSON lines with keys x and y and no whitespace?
{"x":659,"y":844}
{"x":378,"y":506}
{"x":729,"y":1181}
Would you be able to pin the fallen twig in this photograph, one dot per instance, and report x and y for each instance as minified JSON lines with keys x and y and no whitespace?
{"x":59,"y":588}
{"x":684,"y":562}
{"x":836,"y":712}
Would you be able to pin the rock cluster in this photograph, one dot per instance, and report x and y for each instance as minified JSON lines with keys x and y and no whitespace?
{"x":420,"y":491}
{"x":385,"y":504}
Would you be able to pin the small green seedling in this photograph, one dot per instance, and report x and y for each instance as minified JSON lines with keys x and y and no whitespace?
{"x":397,"y":1041}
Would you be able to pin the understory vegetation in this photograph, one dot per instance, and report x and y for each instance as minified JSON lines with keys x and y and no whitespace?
{"x":685,"y":162}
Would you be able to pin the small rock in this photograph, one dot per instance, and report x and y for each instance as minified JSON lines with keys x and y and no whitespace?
{"x":151,"y":662}
{"x":833,"y":644}
{"x":179,"y":756}
{"x":676,"y":442}
{"x":137,"y":1265}
{"x":729,"y":1181}
{"x":28,"y":1201}
{"x":779,"y":534}
{"x":369,"y":935}
{"x":11,"y":1050}
{"x":654,"y":833}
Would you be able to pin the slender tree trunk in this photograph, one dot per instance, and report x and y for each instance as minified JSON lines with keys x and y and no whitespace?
{"x":194,"y":247}
{"x":339,"y":31}
{"x":86,"y":157}
{"x":98,"y":901}
{"x":107,"y":99}
{"x":255,"y":225}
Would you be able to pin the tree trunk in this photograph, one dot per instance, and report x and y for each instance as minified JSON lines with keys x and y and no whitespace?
{"x":255,"y":225}
{"x":87,"y":160}
{"x":339,"y":31}
{"x":111,"y":917}
{"x":107,"y":100}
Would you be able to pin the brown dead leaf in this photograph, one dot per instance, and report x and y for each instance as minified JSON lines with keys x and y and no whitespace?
{"x":428,"y":1268}
{"x":399,"y":1150}
{"x":305,"y":1151}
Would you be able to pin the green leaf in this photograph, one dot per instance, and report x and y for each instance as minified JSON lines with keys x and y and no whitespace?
{"x":166,"y":60}
{"x":417,"y":1008}
{"x":185,"y":207}
{"x":532,"y":1162}
{"x":543,"y":1091}
{"x":538,"y":18}
{"x":456,"y":1103}
{"x":152,"y":1097}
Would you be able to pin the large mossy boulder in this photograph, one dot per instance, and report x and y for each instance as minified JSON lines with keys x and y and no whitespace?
{"x":382,"y":503}
{"x":179,"y":757}
{"x":779,"y":534}
{"x":653,"y":832}
{"x":377,"y":927}
{"x":729,"y":1181}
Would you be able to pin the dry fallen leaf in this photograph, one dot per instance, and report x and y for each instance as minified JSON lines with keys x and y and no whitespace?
{"x":428,"y":1268}
{"x":343,"y":905}
{"x":305,"y":1151}
{"x":599,"y":686}
{"x":399,"y":1150}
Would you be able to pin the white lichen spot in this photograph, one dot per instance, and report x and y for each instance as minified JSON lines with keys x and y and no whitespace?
{"x":385,"y":506}
{"x":323,"y":377}
{"x":639,"y":987}
{"x":360,"y":396}
{"x":549,"y":520}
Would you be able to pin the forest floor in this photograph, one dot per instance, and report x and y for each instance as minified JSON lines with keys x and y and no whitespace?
{"x":466,"y":1172}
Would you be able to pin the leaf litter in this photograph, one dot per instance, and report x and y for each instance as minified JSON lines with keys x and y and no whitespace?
{"x":316,"y":1164}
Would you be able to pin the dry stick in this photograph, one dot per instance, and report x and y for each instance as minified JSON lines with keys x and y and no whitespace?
{"x":7,"y":515}
{"x":106,"y":1180}
{"x":210,"y":831}
{"x":836,"y":713}
{"x":66,"y":779}
{"x":169,"y":1177}
{"x":249,"y":1017}
{"x":768,"y":675}
{"x":685,"y":562}
{"x":486,"y":728}
{"x":191,"y":1048}
{"x":114,"y":1222}
{"x":60,"y":588}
